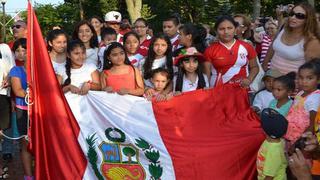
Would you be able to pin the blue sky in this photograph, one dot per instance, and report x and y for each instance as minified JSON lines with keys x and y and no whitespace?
{"x":13,"y":6}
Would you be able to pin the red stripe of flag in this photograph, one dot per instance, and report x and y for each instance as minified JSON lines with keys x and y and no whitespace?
{"x":54,"y":130}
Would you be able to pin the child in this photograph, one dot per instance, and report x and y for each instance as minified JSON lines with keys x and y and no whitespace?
{"x":271,"y":160}
{"x":78,"y":77}
{"x":263,"y":98}
{"x":160,"y":79}
{"x":118,"y":74}
{"x":282,"y":87}
{"x":190,"y":76}
{"x":302,"y":114}
{"x":108,"y":36}
{"x":131,"y":44}
{"x":159,"y":55}
{"x":19,"y":85}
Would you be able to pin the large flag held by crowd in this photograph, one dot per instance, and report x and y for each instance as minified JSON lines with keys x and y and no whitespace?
{"x":198,"y":135}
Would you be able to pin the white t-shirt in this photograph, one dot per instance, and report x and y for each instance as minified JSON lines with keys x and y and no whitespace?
{"x":92,"y":56}
{"x":262,"y":99}
{"x":57,"y":66}
{"x":78,"y":76}
{"x":6,"y":63}
{"x":157,"y":63}
{"x":136,"y":60}
{"x":100,"y":57}
{"x":312,"y":102}
{"x":188,"y":85}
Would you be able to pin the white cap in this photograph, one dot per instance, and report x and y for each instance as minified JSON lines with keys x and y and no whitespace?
{"x":113,"y":16}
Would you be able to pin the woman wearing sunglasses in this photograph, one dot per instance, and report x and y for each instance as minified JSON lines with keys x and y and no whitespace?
{"x":296,"y":43}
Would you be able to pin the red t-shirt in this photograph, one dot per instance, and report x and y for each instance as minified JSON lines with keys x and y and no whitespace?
{"x":144,"y":47}
{"x":231,"y":63}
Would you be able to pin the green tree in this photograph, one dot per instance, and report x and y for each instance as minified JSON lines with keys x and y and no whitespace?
{"x":129,"y":152}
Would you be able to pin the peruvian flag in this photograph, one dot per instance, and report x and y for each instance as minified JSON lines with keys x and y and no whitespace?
{"x":204,"y":134}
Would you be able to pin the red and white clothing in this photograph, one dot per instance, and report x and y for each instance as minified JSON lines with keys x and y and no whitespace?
{"x":265,"y":44}
{"x":136,"y":60}
{"x":175,"y":42}
{"x":144,"y":46}
{"x":230,"y":62}
{"x":120,"y":38}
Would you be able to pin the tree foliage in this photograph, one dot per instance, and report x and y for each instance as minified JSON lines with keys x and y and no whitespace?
{"x":197,"y":11}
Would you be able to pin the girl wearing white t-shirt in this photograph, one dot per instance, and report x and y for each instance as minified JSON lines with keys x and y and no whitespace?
{"x":190,"y":76}
{"x":301,"y":116}
{"x":78,"y":77}
{"x":85,"y":33}
{"x":57,"y":45}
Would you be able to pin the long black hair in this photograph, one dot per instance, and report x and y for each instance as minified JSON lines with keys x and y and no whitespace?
{"x":53,"y":34}
{"x":147,"y":67}
{"x":181,"y":72}
{"x":198,"y":34}
{"x":70,"y":47}
{"x":107,"y":64}
{"x":94,"y":39}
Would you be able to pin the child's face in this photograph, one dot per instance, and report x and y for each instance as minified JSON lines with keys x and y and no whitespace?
{"x":279,"y":91}
{"x":160,"y":47}
{"x":307,"y":80}
{"x":159,"y":81}
{"x":191,"y":65}
{"x":20,"y":53}
{"x":131,"y":45}
{"x":59,"y":44}
{"x":117,"y":56}
{"x":109,"y":38}
{"x":268,"y":83}
{"x":77,"y":56}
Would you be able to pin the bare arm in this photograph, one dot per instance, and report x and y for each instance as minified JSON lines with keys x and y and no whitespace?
{"x":95,"y":84}
{"x":207,"y":70}
{"x":17,"y":87}
{"x":253,"y":69}
{"x":139,"y":90}
{"x":268,"y":57}
{"x":312,"y":115}
{"x":312,"y":50}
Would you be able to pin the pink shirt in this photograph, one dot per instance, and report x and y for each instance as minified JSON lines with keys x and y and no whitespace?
{"x":119,"y":81}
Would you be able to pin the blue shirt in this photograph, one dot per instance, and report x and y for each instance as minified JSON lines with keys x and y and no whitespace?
{"x":19,"y":72}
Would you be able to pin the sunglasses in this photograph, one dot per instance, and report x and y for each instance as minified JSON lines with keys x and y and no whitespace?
{"x":297,"y":15}
{"x":16,"y":26}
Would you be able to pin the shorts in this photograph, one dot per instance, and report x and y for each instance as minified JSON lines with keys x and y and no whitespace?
{"x":22,"y":121}
{"x":5,"y":112}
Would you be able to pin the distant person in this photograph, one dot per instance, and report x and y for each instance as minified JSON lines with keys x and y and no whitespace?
{"x":113,"y":20}
{"x":170,"y":27}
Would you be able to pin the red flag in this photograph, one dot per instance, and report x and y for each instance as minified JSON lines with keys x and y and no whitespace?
{"x":215,"y":135}
{"x":54,"y":130}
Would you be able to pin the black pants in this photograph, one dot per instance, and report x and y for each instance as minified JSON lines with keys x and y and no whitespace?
{"x":22,"y":118}
{"x":5,"y":112}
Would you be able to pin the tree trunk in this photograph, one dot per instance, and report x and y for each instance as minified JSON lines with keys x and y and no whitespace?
{"x":256,"y":8}
{"x":134,"y":9}
{"x":81,"y":10}
{"x":311,"y":2}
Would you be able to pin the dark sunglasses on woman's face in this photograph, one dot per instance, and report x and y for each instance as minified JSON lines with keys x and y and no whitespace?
{"x":16,"y":26}
{"x":298,"y":15}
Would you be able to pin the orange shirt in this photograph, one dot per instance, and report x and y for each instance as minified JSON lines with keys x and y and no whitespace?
{"x":118,"y":81}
